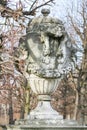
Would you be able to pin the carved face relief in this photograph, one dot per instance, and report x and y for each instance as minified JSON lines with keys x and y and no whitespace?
{"x":44,"y":55}
{"x":46,"y":44}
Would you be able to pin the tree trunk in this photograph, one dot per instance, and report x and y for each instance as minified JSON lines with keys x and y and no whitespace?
{"x":27,"y":98}
{"x":10,"y":108}
{"x":22,"y":112}
{"x":76,"y":106}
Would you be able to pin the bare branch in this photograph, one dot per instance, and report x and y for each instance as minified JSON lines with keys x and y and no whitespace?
{"x":8,"y":12}
{"x":32,"y":12}
{"x":77,"y":29}
{"x":33,"y":4}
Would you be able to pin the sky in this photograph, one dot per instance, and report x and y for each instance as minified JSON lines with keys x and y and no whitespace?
{"x":59,"y":9}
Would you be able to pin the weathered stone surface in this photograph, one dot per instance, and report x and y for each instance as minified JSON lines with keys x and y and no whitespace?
{"x":48,"y":49}
{"x":27,"y":127}
{"x":49,"y":55}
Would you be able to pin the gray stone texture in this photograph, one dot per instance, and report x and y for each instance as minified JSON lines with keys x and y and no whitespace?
{"x":27,"y":127}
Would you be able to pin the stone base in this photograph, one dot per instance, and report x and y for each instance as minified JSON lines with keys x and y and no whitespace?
{"x":43,"y":117}
{"x":46,"y":122}
{"x":45,"y":125}
{"x":44,"y":112}
{"x":27,"y":127}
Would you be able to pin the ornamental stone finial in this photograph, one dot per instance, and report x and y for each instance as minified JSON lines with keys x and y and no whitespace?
{"x":45,"y":12}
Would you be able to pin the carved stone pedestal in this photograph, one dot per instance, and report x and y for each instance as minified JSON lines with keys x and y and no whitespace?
{"x":44,"y":115}
{"x":45,"y":111}
{"x":43,"y":88}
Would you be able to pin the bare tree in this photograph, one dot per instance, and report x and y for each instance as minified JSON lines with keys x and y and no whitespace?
{"x":78,"y":32}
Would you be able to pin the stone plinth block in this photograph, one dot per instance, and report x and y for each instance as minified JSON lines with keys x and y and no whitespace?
{"x":27,"y":127}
